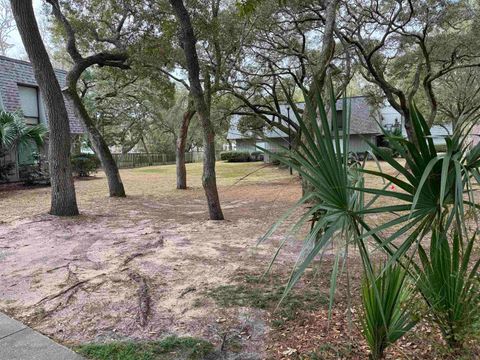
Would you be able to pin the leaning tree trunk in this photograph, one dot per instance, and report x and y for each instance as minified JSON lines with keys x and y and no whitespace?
{"x":209,"y":179}
{"x":109,"y":165}
{"x":180,"y":150}
{"x":64,"y":201}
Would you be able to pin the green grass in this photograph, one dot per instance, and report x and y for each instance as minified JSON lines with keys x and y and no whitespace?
{"x":227,"y":173}
{"x":170,"y":348}
{"x":266,"y":295}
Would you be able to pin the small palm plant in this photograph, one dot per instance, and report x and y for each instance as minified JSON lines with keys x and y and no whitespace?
{"x":15,"y":132}
{"x":438,"y":204}
{"x":449,"y":282}
{"x":432,"y":191}
{"x":323,"y":161}
{"x":385,"y":317}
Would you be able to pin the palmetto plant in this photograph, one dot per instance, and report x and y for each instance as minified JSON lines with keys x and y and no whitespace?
{"x":432,"y":191}
{"x":434,"y":208}
{"x":323,"y":161}
{"x":435,"y":188}
{"x":385,"y":316}
{"x":449,"y":282}
{"x":15,"y":132}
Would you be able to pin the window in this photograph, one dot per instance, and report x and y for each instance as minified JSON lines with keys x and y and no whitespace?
{"x":29,"y":101}
{"x":339,"y":120}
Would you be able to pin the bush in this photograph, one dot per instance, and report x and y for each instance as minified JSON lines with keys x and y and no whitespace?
{"x":385,"y":319}
{"x":235,"y":156}
{"x":256,"y":156}
{"x":85,"y":164}
{"x":275,"y":161}
{"x":6,"y":170}
{"x":37,"y":173}
{"x":226,"y":155}
{"x":450,"y":284}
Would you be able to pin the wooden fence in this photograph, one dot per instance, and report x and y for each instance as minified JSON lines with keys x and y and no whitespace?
{"x":142,"y":160}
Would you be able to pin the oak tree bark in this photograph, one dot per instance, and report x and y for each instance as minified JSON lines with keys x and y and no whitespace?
{"x":64,"y":201}
{"x":109,"y":165}
{"x":189,"y":41}
{"x":181,"y":143}
{"x":115,"y":184}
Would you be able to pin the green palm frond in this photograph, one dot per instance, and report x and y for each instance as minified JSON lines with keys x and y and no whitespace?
{"x":448,"y":279}
{"x":15,"y":132}
{"x":430,"y":184}
{"x":322,"y":159}
{"x":385,"y":317}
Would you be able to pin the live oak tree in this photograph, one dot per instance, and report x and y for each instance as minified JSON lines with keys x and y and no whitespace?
{"x":63,"y":198}
{"x":406,"y":47}
{"x":116,"y":58}
{"x":458,"y":95}
{"x":188,"y":39}
{"x":219,"y":32}
{"x":282,"y":53}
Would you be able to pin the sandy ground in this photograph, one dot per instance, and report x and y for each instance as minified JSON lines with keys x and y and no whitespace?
{"x":142,"y":267}
{"x":138,"y":267}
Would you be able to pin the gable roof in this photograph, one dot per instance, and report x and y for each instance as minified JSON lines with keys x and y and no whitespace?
{"x":14,"y":72}
{"x":362,"y":120}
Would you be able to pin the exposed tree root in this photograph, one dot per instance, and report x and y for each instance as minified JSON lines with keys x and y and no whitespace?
{"x":187,"y":290}
{"x":129,"y":258}
{"x":143,"y":298}
{"x":66,"y":290}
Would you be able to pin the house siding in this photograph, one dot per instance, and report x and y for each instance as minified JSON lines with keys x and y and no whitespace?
{"x":247,"y":145}
{"x":17,"y":72}
{"x":358,"y":143}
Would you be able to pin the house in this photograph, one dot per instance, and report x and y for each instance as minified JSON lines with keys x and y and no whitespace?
{"x":365,"y":122}
{"x":19,"y":92}
{"x":363,"y":128}
{"x":391,"y":118}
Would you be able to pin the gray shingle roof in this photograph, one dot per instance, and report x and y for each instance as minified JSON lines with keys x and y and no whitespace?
{"x":14,"y":72}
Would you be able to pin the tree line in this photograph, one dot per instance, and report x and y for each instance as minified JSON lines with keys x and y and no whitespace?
{"x":140,"y":71}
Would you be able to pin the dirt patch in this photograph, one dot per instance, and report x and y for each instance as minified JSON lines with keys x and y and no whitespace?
{"x":137,"y":268}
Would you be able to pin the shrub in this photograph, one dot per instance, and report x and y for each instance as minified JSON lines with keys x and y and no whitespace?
{"x":449,"y":282}
{"x":6,"y":168}
{"x":85,"y":164}
{"x":385,"y":319}
{"x":235,"y":156}
{"x":256,"y":156}
{"x":429,"y":193}
{"x":37,"y":173}
{"x":14,"y":132}
{"x":275,"y":158}
{"x":226,"y":155}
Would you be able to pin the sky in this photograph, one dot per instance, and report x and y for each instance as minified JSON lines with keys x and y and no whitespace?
{"x":18,"y":51}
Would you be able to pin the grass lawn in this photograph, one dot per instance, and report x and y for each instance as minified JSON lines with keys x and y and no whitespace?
{"x":170,"y":348}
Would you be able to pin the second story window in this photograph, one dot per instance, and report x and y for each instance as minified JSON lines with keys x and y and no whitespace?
{"x":29,"y":101}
